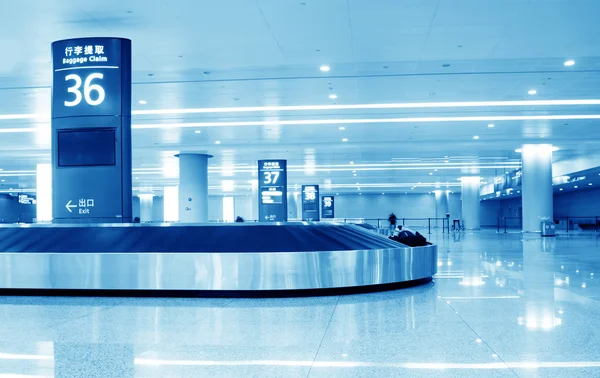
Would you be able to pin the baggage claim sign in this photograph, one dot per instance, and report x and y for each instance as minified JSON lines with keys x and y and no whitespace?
{"x":272,"y":191}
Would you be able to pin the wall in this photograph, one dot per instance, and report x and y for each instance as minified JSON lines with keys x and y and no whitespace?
{"x":404,"y":206}
{"x":582,"y":203}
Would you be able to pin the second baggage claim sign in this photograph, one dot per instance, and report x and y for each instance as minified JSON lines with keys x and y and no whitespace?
{"x":272,"y":191}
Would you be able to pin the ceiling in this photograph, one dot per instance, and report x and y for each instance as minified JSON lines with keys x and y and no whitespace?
{"x":212,"y":58}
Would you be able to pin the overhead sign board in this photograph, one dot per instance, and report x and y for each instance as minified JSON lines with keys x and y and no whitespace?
{"x":310,"y":203}
{"x":327,"y":207}
{"x":272,"y":190}
{"x":88,"y":77}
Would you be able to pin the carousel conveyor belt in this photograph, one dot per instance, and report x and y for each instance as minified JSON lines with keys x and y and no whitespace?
{"x":208,"y":258}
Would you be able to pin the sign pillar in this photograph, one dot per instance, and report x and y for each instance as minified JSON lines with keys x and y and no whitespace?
{"x":310,"y":203}
{"x":91,"y":130}
{"x":328,"y":207}
{"x":272,"y":191}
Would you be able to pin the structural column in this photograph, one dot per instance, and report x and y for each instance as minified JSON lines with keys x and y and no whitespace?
{"x":470,"y":202}
{"x":441,"y":206}
{"x":294,"y":205}
{"x":193,"y":188}
{"x":537,"y":185}
{"x":146,"y":205}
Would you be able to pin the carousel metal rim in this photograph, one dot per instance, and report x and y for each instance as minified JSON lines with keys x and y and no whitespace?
{"x":173,"y":224}
{"x":216,"y":272}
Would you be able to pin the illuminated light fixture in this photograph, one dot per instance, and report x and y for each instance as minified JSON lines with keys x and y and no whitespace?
{"x":520,"y":150}
{"x":228,"y":185}
{"x":561,"y":189}
{"x":569,"y":63}
{"x":43,"y":192}
{"x":351,"y":162}
{"x":430,"y":173}
{"x":491,"y":125}
{"x":446,"y":161}
{"x":576,"y":187}
{"x":217,"y":142}
{"x":344,"y":139}
{"x":342,"y":121}
{"x":171,"y":203}
{"x":325,"y":68}
{"x":198,"y":132}
{"x":532,"y":92}
{"x":332,"y":96}
{"x":342,"y":128}
{"x":463,"y":104}
{"x":383,"y":194}
{"x":476,"y":137}
{"x":354,"y":174}
{"x":142,"y":102}
{"x":590,"y":184}
{"x":363,"y":121}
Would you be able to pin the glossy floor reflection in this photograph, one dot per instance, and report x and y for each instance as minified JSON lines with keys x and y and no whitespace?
{"x":500,"y":306}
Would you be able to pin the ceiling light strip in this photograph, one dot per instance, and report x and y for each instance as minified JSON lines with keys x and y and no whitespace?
{"x":365,"y":121}
{"x":415,"y":105}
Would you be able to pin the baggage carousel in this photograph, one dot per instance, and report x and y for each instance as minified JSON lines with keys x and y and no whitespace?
{"x":213,"y":259}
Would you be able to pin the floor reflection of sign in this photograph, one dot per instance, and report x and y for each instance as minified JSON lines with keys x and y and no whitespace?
{"x":310,"y":204}
{"x":83,"y":205}
{"x":272,"y":189}
{"x":327,"y":207}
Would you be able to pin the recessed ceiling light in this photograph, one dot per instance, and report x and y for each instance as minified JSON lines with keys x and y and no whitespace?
{"x":351,"y":162}
{"x":576,"y":187}
{"x":354,"y":174}
{"x":435,"y":170}
{"x":491,"y":125}
{"x":476,"y":137}
{"x":569,"y":63}
{"x":324,"y":68}
{"x":218,"y":142}
{"x":446,"y":161}
{"x":3,"y":180}
{"x":142,"y":102}
{"x":532,"y":92}
{"x":430,"y":173}
{"x":198,"y":132}
{"x":333,"y":96}
{"x":560,"y":189}
{"x":383,"y":194}
{"x":341,"y":128}
{"x":344,"y":139}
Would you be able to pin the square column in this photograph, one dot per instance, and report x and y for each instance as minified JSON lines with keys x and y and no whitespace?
{"x":470,"y":202}
{"x":193,"y":188}
{"x":537,"y":185}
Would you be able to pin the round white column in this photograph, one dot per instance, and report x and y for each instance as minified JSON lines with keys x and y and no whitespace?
{"x":193,"y":188}
{"x":470,"y":189}
{"x":537,"y":185}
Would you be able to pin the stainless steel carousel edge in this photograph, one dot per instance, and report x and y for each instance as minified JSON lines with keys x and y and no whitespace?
{"x":216,"y":271}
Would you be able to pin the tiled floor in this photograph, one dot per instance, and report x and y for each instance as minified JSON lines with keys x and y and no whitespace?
{"x":501,"y":306}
